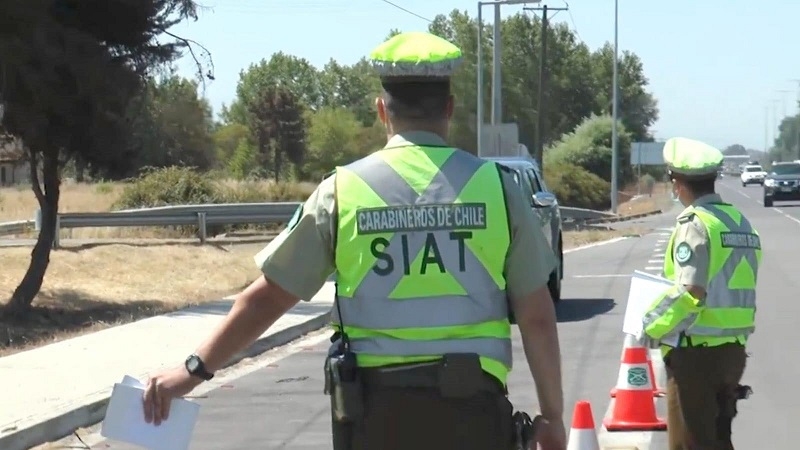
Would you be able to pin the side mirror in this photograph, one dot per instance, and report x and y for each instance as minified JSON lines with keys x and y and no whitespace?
{"x":543,"y":199}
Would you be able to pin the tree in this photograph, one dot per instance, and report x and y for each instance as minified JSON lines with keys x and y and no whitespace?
{"x":227,"y":139}
{"x":637,"y":107}
{"x":331,"y":135}
{"x":67,"y":79}
{"x":351,"y":87}
{"x":735,"y":149}
{"x":787,"y":144}
{"x":172,"y":125}
{"x":276,"y":120}
{"x":290,"y":73}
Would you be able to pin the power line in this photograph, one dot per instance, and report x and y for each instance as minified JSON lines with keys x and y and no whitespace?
{"x":407,"y":11}
{"x":572,"y":19}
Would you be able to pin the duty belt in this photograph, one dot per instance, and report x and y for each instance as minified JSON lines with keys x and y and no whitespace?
{"x":423,"y":375}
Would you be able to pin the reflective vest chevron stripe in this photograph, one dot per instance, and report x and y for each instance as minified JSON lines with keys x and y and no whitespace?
{"x":735,"y":254}
{"x":420,"y":251}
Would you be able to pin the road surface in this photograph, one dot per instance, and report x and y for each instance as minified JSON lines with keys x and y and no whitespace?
{"x":281,"y":405}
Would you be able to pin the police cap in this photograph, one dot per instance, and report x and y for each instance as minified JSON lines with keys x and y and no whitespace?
{"x":416,"y":56}
{"x":689,"y":158}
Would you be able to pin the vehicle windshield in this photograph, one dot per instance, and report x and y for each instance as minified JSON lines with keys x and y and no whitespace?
{"x":785,"y":169}
{"x":753,"y":169}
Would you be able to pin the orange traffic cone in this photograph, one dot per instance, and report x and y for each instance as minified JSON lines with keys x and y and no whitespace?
{"x":634,"y":408}
{"x":582,"y":435}
{"x":630,"y":342}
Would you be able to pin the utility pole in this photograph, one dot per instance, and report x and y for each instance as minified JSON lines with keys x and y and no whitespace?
{"x":766,"y":130}
{"x":615,"y":116}
{"x":540,"y":101}
{"x":783,"y":93}
{"x":797,"y":81}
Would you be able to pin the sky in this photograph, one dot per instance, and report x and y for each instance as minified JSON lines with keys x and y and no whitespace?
{"x":715,"y":66}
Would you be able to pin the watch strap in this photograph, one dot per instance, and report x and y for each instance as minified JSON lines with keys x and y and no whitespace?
{"x":197,"y":368}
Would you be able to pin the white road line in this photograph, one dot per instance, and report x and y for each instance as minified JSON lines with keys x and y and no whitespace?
{"x":652,"y":268}
{"x":793,"y":219}
{"x":777,"y":210}
{"x":662,"y":241}
{"x":655,"y":261}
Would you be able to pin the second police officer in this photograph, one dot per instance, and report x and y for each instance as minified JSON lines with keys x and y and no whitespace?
{"x":704,"y":321}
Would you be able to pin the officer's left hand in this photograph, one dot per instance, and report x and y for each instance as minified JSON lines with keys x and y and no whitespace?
{"x":550,"y":435}
{"x":162,"y":388}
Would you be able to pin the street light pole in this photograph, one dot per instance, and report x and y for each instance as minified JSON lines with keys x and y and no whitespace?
{"x":615,"y":116}
{"x":479,"y":70}
{"x":497,"y":93}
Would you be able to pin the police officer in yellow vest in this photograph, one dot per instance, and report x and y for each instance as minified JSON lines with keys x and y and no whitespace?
{"x":432,"y":248}
{"x":704,"y":321}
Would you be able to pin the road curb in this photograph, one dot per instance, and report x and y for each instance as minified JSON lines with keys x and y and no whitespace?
{"x":92,"y":413}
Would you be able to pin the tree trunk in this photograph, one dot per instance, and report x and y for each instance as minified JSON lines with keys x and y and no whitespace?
{"x":276,"y":155}
{"x":31,"y":283}
{"x":80,"y":169}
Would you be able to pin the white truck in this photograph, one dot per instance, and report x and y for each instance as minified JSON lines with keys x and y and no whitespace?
{"x":752,"y":174}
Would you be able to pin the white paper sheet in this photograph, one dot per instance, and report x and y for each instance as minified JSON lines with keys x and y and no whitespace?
{"x":124,"y":420}
{"x":645,"y":288}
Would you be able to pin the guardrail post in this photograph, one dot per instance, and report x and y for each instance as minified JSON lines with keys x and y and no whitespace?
{"x":37,"y":220}
{"x":57,"y":235}
{"x":201,"y":224}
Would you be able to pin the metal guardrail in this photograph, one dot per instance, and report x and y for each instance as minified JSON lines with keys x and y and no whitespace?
{"x":207,"y":215}
{"x":17,"y":227}
{"x":200,"y":215}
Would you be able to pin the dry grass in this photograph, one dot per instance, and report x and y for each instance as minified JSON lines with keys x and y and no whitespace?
{"x":659,"y":200}
{"x":88,"y":288}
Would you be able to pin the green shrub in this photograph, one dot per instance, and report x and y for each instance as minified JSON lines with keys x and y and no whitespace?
{"x":589,"y":147}
{"x":577,"y":187}
{"x":168,"y":186}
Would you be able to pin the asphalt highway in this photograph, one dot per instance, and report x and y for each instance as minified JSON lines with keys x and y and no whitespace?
{"x":281,"y":405}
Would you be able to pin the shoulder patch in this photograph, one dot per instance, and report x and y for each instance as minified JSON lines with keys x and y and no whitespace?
{"x":686,"y":217}
{"x":683,"y":253}
{"x":295,"y":218}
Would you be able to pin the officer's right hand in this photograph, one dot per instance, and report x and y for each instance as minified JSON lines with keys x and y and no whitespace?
{"x":550,"y":435}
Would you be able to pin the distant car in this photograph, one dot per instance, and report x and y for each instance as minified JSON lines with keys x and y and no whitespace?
{"x":545,"y":205}
{"x":782,"y":183}
{"x":752,"y":174}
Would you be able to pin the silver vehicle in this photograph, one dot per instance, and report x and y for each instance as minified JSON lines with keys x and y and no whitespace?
{"x":545,"y":205}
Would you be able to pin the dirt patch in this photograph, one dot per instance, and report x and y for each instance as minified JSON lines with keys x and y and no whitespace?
{"x":91,"y":287}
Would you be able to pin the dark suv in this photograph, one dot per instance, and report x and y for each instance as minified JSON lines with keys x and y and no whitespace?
{"x":782,"y":183}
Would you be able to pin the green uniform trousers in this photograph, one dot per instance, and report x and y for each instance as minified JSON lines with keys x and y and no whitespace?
{"x":420,"y":419}
{"x":701,"y":395}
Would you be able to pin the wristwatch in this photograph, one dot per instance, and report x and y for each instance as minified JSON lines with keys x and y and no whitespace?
{"x":196,"y":368}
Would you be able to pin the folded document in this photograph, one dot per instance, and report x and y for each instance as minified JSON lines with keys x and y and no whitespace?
{"x":124,"y":420}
